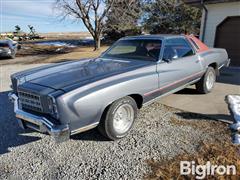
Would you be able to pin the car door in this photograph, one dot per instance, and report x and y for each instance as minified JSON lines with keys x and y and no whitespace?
{"x":178,"y":66}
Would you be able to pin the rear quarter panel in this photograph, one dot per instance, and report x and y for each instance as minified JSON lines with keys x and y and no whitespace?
{"x":214,"y":55}
{"x":208,"y":55}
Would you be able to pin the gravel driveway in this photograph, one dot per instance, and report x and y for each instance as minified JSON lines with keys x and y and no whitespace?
{"x":159,"y":133}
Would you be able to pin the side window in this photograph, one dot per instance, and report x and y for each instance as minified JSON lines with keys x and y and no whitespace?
{"x":176,"y":48}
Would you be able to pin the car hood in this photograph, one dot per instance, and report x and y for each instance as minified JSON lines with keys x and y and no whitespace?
{"x":77,"y":73}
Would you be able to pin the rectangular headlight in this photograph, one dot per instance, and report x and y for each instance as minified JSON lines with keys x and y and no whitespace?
{"x":52,"y":106}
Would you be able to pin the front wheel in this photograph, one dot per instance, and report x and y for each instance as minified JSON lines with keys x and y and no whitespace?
{"x":118,"y":119}
{"x":206,"y":83}
{"x":12,"y":55}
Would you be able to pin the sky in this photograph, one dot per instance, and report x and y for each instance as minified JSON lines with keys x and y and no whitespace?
{"x":38,"y":13}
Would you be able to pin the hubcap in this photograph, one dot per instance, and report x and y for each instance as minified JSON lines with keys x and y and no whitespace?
{"x":210,"y":80}
{"x":123,"y":118}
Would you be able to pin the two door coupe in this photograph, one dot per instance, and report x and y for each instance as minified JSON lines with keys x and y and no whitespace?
{"x":72,"y":97}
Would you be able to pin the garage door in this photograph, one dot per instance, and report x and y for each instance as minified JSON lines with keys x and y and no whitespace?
{"x":228,"y":37}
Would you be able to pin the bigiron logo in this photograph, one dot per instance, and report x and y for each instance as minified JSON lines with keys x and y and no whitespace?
{"x":201,"y":171}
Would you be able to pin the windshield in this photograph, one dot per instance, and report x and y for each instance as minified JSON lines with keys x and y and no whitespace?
{"x":143,"y":49}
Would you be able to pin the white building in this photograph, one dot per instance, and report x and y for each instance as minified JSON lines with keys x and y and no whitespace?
{"x":220,"y":25}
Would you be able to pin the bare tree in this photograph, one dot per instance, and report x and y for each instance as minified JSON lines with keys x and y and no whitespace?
{"x":17,"y":29}
{"x":91,"y":12}
{"x":32,"y":30}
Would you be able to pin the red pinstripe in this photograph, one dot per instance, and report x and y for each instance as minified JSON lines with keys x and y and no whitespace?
{"x":171,"y":84}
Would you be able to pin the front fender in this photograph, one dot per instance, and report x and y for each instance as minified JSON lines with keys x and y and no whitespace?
{"x":85,"y":105}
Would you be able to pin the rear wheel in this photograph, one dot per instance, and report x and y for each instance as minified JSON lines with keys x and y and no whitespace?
{"x":206,"y":83}
{"x":118,"y":119}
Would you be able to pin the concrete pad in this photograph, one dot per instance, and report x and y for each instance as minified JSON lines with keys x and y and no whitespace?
{"x":7,"y":70}
{"x":212,"y":104}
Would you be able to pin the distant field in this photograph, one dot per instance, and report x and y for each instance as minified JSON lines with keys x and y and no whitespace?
{"x":60,"y":49}
{"x":56,"y":47}
{"x":78,"y":53}
{"x":65,"y":35}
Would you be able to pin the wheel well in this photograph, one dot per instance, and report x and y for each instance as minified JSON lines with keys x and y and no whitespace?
{"x":215,"y":67}
{"x":138,"y":99}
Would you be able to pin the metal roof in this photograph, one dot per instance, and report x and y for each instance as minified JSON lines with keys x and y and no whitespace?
{"x":155,"y":36}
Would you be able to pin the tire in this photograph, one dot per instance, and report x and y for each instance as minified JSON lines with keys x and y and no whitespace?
{"x":13,"y":55}
{"x":113,"y":125}
{"x":206,"y":83}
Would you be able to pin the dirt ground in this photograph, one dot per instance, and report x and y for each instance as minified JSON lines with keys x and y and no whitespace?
{"x":31,"y":53}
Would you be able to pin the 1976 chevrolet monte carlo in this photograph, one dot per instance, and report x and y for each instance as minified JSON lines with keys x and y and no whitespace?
{"x":71,"y":97}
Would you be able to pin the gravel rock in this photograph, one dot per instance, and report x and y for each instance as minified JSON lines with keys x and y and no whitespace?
{"x":159,"y":133}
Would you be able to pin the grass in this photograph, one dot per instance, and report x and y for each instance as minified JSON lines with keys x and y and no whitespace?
{"x":219,"y":153}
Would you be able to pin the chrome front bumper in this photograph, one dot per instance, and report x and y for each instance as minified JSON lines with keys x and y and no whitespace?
{"x":38,"y":123}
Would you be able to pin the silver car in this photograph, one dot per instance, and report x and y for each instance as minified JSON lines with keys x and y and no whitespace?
{"x":8,"y":48}
{"x":106,"y":92}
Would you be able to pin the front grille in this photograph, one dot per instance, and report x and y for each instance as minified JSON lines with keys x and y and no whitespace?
{"x":30,"y":101}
